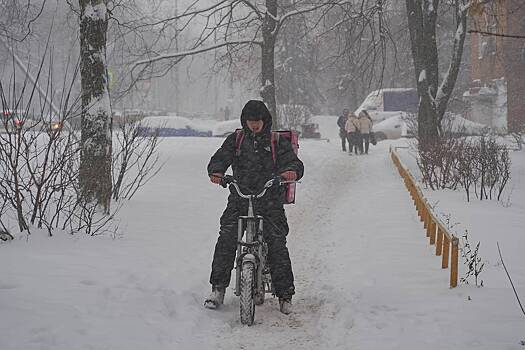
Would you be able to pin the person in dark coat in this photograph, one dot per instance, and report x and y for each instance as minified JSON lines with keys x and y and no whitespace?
{"x":341,"y":122}
{"x":252,"y":166}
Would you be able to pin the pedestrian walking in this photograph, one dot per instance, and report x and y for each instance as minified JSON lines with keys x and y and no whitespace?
{"x":352,"y":128}
{"x":365,"y":126}
{"x":341,"y":122}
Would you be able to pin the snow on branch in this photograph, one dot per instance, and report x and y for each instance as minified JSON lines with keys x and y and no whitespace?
{"x":280,"y":21}
{"x":193,"y":52}
{"x":253,"y":7}
{"x":447,"y":85}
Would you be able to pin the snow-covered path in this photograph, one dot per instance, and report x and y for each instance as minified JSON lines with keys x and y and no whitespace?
{"x":365,"y":277}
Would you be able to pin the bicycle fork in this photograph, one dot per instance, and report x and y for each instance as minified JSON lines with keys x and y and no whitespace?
{"x":250,"y":250}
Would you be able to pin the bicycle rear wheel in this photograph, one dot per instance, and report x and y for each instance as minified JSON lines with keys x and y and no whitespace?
{"x":247,"y":303}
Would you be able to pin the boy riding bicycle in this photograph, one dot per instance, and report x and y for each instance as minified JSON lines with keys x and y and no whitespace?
{"x":253,"y":164}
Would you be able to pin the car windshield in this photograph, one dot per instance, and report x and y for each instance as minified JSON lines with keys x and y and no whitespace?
{"x":373,"y":102}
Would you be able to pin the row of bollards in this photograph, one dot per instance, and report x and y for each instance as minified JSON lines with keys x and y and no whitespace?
{"x":447,"y":245}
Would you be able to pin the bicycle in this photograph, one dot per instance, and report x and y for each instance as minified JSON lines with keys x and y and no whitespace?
{"x":253,"y":278}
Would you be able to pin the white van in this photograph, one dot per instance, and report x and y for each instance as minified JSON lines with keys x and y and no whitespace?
{"x":388,"y":109}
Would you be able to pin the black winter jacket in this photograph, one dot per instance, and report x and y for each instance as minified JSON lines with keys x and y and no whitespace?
{"x":253,"y":165}
{"x":341,"y":122}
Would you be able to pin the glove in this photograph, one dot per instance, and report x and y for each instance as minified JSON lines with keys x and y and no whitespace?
{"x":289,"y":175}
{"x":216,"y":178}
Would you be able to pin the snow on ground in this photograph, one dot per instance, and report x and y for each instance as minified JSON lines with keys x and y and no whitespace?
{"x":365,"y":277}
{"x":487,"y":222}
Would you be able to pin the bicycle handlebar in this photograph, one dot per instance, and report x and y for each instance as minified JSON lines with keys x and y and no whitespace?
{"x":277,"y":180}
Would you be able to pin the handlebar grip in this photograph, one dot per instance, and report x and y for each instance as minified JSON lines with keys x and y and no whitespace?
{"x":226,"y":180}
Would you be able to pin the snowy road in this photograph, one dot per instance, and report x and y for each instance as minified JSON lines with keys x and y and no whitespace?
{"x":365,"y":277}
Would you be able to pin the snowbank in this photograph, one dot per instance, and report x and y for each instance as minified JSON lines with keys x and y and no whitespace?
{"x":175,"y":122}
{"x":226,"y":127}
{"x":397,"y":126}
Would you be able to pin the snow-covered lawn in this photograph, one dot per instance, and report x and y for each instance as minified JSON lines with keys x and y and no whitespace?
{"x":487,"y":221}
{"x":365,"y":276}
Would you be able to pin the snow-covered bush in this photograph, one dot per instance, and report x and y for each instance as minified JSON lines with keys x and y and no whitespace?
{"x":479,"y":163}
{"x":517,"y":138}
{"x":40,"y":165}
{"x":438,"y":161}
{"x":135,"y":158}
{"x":293,"y":116}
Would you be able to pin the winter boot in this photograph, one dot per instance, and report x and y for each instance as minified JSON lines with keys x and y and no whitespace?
{"x":285,"y":305}
{"x":216,"y":298}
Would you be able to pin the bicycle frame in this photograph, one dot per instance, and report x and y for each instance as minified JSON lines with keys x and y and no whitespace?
{"x":252,"y":249}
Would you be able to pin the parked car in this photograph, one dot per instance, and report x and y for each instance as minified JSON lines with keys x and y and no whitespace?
{"x":310,"y":131}
{"x":389,"y":109}
{"x":391,"y":128}
{"x":225,"y":128}
{"x":17,"y":120}
{"x":386,"y":103}
{"x":172,"y":126}
{"x":397,"y":127}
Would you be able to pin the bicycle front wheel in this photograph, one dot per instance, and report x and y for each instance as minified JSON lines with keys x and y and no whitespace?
{"x":247,"y":303}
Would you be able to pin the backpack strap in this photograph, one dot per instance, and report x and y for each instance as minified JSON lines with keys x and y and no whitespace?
{"x":274,"y":142}
{"x":239,"y":138}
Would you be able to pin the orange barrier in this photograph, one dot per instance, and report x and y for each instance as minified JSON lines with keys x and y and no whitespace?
{"x":447,"y":245}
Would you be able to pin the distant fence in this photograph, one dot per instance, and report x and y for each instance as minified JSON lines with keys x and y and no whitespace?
{"x":447,"y":245}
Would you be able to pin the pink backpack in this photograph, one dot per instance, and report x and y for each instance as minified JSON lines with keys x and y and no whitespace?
{"x":292,"y":136}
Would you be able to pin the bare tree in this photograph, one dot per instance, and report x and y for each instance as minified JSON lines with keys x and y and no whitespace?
{"x":240,"y":25}
{"x":434,"y":94}
{"x":17,"y":17}
{"x":355,"y":51}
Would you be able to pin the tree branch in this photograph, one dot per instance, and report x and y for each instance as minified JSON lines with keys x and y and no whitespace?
{"x":472,"y":31}
{"x":192,"y":52}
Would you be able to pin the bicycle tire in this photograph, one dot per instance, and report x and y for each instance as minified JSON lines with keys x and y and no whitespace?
{"x":247,"y":302}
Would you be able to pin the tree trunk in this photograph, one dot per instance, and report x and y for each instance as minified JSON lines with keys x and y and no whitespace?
{"x":427,"y":121}
{"x":268,"y":60}
{"x":96,"y":123}
{"x":433,"y":96}
{"x":422,"y":25}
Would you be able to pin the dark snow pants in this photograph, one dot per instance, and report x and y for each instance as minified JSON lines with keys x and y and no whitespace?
{"x":354,"y":139}
{"x":366,"y":142}
{"x":275,"y":231}
{"x":344,"y":139}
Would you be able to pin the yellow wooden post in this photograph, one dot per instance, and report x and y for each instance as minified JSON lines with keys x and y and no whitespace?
{"x":424,"y":214}
{"x":439,"y":244}
{"x":426,"y":217}
{"x":432,"y":227}
{"x":446,"y":247}
{"x":454,"y":263}
{"x":421,"y":208}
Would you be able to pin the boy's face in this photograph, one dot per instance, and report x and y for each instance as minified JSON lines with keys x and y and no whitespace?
{"x":255,"y":126}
